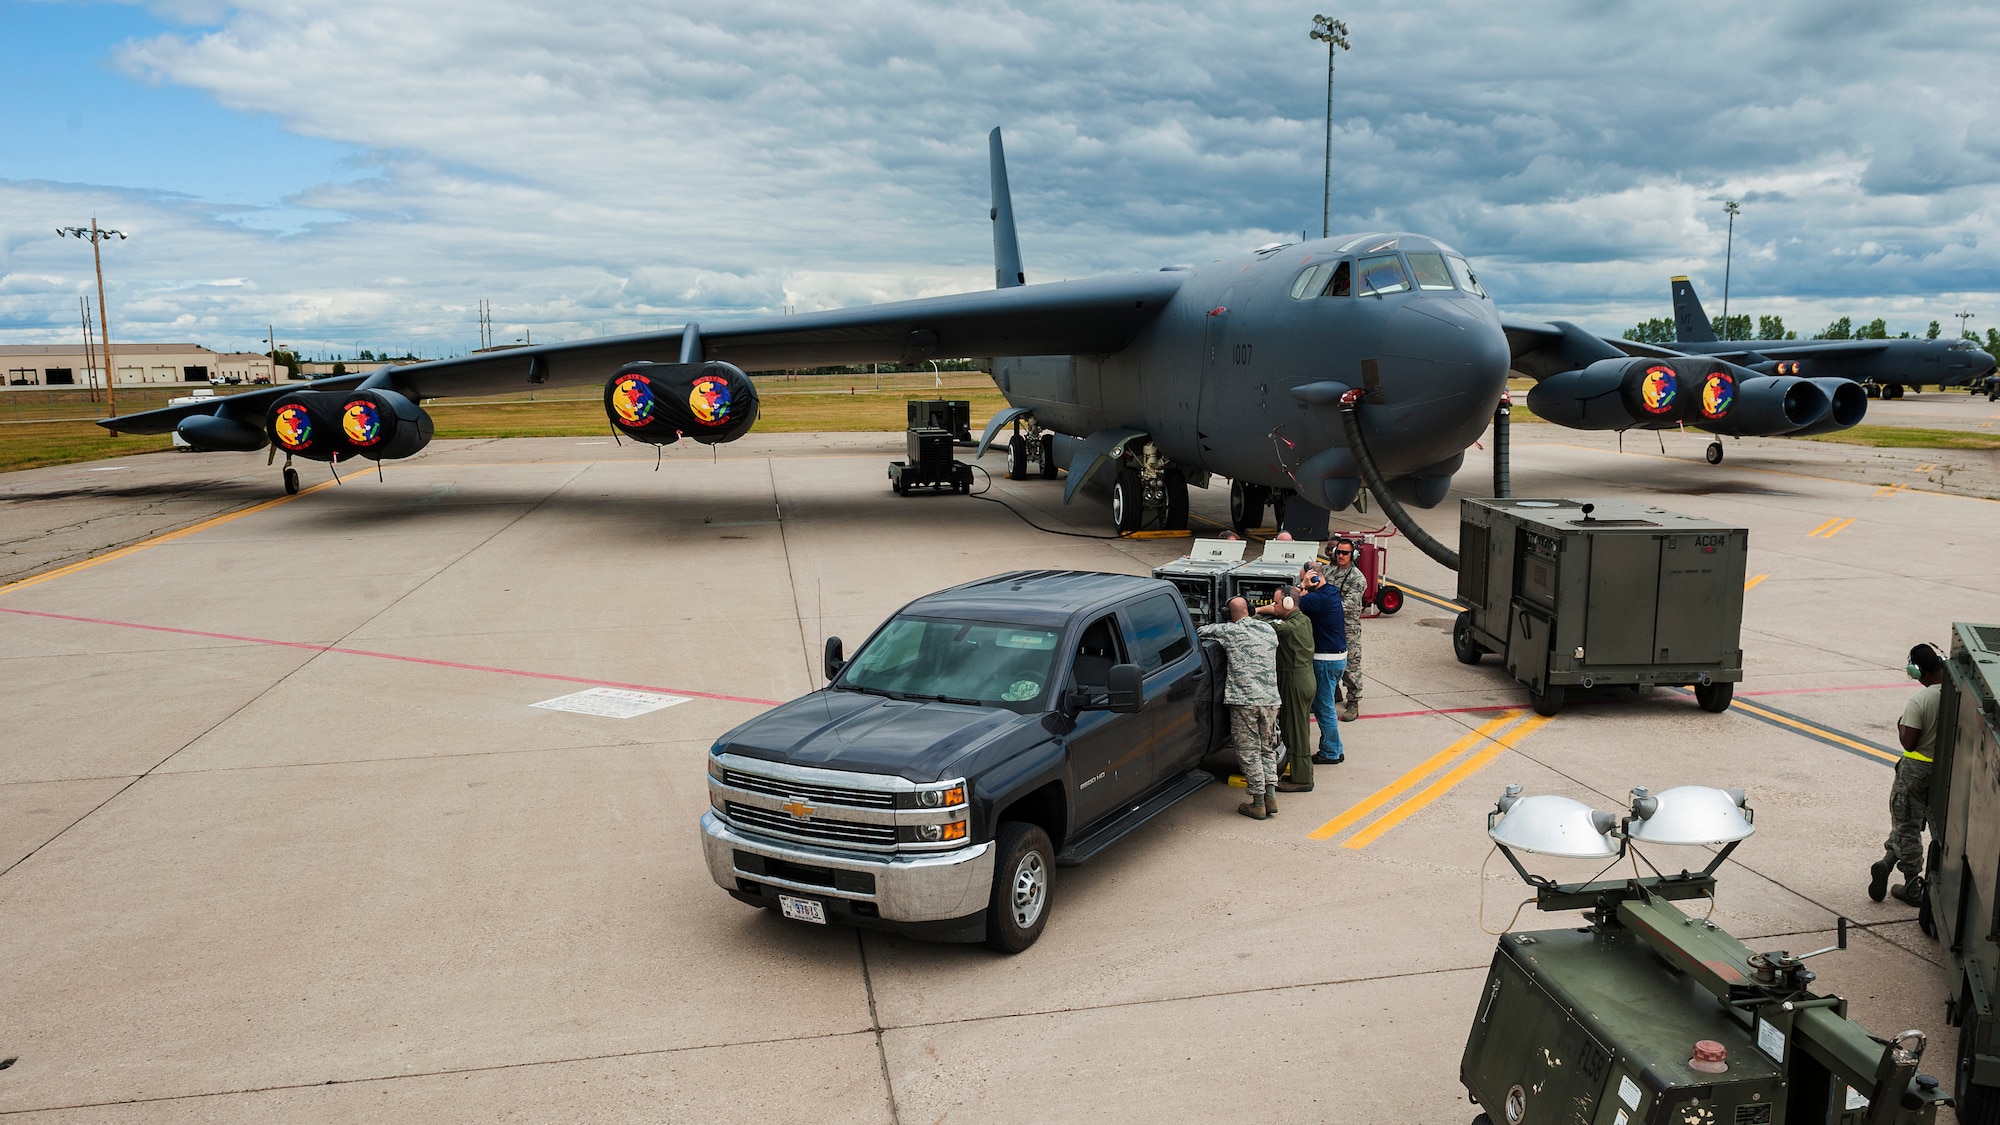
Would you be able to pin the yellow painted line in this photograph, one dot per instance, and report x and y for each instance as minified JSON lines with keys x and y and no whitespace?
{"x":1890,"y":490}
{"x":1409,"y":780}
{"x":1158,"y":534}
{"x":156,"y":540}
{"x":1816,"y":732}
{"x":1927,"y":468}
{"x":1753,"y":582}
{"x":1446,"y":783}
{"x":1822,"y":527}
{"x":1837,"y":528}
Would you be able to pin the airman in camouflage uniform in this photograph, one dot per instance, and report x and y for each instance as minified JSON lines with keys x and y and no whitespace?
{"x":1252,"y":696}
{"x":1353,"y":586}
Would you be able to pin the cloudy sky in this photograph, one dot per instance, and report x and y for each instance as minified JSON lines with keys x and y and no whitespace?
{"x":361,"y":173}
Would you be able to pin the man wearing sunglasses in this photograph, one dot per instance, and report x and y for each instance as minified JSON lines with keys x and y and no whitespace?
{"x":1353,"y":586}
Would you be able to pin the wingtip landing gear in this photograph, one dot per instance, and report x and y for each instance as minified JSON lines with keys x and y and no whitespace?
{"x":291,"y":479}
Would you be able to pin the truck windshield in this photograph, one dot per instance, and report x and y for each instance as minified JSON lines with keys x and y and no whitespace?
{"x":955,"y":661}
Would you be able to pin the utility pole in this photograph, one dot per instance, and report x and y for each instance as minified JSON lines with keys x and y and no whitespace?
{"x":1333,"y":33}
{"x":1728,"y":256}
{"x":89,"y":349}
{"x":96,"y":235}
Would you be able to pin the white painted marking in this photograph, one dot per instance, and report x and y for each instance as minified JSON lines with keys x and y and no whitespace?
{"x":593,"y":443}
{"x":109,"y":469}
{"x":611,"y":703}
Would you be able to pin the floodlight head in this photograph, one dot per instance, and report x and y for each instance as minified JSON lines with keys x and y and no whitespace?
{"x":1551,"y":825}
{"x":1690,"y":815}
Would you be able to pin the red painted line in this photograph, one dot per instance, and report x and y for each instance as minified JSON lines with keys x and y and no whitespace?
{"x":391,"y":656}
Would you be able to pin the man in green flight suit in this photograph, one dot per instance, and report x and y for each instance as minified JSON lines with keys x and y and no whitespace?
{"x":1295,"y":686}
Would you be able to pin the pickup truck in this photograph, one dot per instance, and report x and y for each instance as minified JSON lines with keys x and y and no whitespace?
{"x":980,"y":738}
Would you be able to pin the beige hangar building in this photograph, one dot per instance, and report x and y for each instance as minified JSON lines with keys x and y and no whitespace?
{"x":65,"y":365}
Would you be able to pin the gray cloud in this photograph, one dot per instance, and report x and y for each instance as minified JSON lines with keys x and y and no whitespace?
{"x":606,"y":167}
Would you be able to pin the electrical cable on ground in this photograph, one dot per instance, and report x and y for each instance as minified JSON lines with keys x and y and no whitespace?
{"x":981,"y":495}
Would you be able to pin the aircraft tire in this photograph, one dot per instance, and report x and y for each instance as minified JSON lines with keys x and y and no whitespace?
{"x":1246,"y":505}
{"x":1017,"y":458}
{"x":1462,"y":645}
{"x":1049,"y":457}
{"x":1714,"y":697}
{"x":1128,"y":502}
{"x":1893,"y":390}
{"x":291,"y":481}
{"x":1548,"y":701}
{"x":1714,"y":453}
{"x":1177,"y":500}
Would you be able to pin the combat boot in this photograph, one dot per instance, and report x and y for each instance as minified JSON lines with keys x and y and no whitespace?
{"x":1878,"y":877}
{"x":1910,"y":893}
{"x":1350,"y":710}
{"x":1270,"y":800}
{"x":1254,"y":808}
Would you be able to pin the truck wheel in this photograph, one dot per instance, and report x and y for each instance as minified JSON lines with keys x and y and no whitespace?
{"x":1048,"y":456}
{"x":1017,"y":458}
{"x":1128,"y":504}
{"x":1020,"y":904}
{"x":1462,"y":645}
{"x":1549,"y":701}
{"x":1714,"y":697}
{"x":1977,"y":1105}
{"x":1389,"y":599}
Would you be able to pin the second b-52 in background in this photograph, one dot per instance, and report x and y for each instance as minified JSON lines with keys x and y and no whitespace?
{"x":1883,"y":367}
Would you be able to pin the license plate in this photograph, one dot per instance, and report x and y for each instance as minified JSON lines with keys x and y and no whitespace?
{"x":802,"y":909}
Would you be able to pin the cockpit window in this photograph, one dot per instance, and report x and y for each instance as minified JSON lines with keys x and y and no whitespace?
{"x":1430,"y":271}
{"x":1339,"y":286}
{"x":1463,"y":272}
{"x":1308,"y":282}
{"x":1382,"y":274}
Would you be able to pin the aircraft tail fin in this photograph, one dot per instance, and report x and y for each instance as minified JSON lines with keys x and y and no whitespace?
{"x":1006,"y":245}
{"x":1691,"y":324}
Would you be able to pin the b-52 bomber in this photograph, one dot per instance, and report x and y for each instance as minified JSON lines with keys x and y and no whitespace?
{"x":1289,"y":370}
{"x":1882,"y":367}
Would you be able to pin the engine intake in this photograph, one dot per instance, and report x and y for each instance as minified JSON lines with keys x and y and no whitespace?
{"x":660,"y":403}
{"x":343,"y":425}
{"x":1648,"y":394}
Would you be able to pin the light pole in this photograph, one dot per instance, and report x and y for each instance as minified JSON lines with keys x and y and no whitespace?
{"x":97,"y":235}
{"x":1963,"y":318}
{"x":1333,"y":33}
{"x":1728,"y":256}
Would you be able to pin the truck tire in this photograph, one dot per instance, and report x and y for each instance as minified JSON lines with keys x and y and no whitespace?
{"x":1017,"y":458}
{"x":1462,"y":645}
{"x":1547,"y":701}
{"x":1977,"y":1105}
{"x":1714,"y":697}
{"x":1019,"y":908}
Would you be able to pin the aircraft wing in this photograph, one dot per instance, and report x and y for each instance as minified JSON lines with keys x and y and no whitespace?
{"x":1543,"y":348}
{"x":1094,"y":316}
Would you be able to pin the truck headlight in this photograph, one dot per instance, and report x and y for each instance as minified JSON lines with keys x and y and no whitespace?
{"x":949,"y":796}
{"x":714,"y":768}
{"x":934,"y":833}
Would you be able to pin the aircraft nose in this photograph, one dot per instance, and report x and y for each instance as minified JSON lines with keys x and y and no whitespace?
{"x":1443,"y":369}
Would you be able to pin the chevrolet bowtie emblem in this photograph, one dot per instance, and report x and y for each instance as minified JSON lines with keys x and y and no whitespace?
{"x":799,"y":809}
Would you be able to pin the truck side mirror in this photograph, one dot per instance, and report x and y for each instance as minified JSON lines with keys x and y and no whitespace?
{"x":1128,"y":693}
{"x":834,"y":663}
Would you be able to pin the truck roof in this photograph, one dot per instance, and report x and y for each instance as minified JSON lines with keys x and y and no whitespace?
{"x":1033,"y":597}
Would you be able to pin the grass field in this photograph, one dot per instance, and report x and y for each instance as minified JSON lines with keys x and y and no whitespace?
{"x":788,"y":405}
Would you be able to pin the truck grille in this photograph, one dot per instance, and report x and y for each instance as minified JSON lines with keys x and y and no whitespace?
{"x":818,"y":794}
{"x":825,"y":831}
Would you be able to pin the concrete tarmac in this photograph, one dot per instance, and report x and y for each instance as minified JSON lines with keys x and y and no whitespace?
{"x":282,"y":836}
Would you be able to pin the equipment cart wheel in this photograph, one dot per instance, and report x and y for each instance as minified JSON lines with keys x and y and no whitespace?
{"x":897,"y":481}
{"x":1548,"y":701}
{"x":1017,"y":458}
{"x":291,"y":481}
{"x":1019,"y":907}
{"x":1977,"y":1105}
{"x":1714,"y":453}
{"x":1389,"y":599}
{"x":1714,"y":697}
{"x":961,"y":478}
{"x":1128,"y":504}
{"x":1177,"y":500}
{"x":1246,"y":505}
{"x":1462,"y":645}
{"x":1048,"y":456}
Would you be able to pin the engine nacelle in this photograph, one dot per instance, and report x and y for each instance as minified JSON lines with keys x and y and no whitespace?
{"x":343,"y":425}
{"x":1849,"y":405}
{"x":1647,"y":394}
{"x":1770,"y":405}
{"x":660,"y":403}
{"x":215,"y":433}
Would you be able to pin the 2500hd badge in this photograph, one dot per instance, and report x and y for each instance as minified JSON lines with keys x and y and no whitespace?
{"x":980,"y":738}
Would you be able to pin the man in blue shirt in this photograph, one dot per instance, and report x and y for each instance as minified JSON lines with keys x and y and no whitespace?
{"x":1322,"y":607}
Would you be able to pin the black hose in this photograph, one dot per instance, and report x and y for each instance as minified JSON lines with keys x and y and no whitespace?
{"x":1350,"y":420}
{"x":981,"y":495}
{"x":1503,"y":485}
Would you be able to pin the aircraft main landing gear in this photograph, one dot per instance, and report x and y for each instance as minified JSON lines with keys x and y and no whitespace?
{"x":1714,"y":453}
{"x":1246,"y":505}
{"x":291,"y":479}
{"x":1148,"y":483}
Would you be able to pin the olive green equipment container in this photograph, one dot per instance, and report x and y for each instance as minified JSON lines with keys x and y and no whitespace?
{"x":1963,"y":909}
{"x":1578,"y":594}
